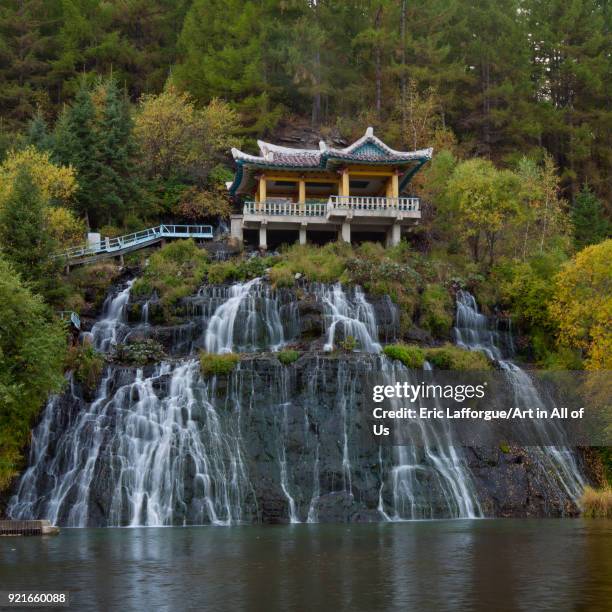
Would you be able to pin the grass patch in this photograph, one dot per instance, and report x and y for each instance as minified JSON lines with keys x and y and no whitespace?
{"x":212,"y":364}
{"x":173,"y":272}
{"x":451,"y":357}
{"x":288,"y":356}
{"x":597,"y":503}
{"x":412,"y":357}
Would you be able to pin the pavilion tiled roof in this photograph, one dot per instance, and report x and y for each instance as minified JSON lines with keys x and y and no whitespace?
{"x":367,"y":150}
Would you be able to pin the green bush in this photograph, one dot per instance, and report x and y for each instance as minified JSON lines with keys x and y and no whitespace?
{"x":32,"y":352}
{"x":411,"y":356}
{"x":139,"y":353}
{"x":86,"y":364}
{"x":212,"y":364}
{"x":89,"y":284}
{"x":223,"y":272}
{"x":288,"y":356}
{"x":451,"y":357}
{"x":437,"y":311}
{"x":349,"y":344}
{"x":281,"y":276}
{"x":173,"y":272}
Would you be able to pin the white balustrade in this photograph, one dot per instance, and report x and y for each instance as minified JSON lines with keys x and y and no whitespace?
{"x":374,"y":203}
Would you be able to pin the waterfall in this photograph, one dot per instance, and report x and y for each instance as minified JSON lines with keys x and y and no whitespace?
{"x":110,"y":329}
{"x":163,"y":445}
{"x":155,"y":452}
{"x":429,"y":478}
{"x":472,"y":331}
{"x":348,"y":315}
{"x":252,"y":317}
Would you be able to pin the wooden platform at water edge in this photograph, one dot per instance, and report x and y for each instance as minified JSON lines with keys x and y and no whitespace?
{"x":27,"y":528}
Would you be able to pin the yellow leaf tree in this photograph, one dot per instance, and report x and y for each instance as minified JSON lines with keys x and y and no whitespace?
{"x":582,"y":305}
{"x":57,"y":184}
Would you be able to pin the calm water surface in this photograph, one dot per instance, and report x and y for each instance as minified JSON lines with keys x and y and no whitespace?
{"x":492,"y":565}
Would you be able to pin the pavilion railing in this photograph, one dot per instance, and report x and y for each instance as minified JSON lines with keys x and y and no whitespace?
{"x":374,"y":203}
{"x":320,"y":208}
{"x":277,"y":208}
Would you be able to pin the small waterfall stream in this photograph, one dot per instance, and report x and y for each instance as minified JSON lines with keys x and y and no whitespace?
{"x":110,"y":329}
{"x":473,"y":331}
{"x":348,"y":315}
{"x":251,"y":317}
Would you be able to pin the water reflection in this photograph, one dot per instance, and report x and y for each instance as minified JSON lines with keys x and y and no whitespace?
{"x":442,"y":565}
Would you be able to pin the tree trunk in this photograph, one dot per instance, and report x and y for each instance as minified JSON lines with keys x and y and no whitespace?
{"x":403,"y":72}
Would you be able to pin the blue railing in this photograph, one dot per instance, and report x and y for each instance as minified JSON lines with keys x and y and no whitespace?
{"x":137,"y":239}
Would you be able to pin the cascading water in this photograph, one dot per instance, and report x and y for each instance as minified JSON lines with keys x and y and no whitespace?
{"x":430,"y":478}
{"x":472,"y":331}
{"x":157,"y":446}
{"x":163,"y":445}
{"x":348,"y":315}
{"x":110,"y":329}
{"x":250,"y":318}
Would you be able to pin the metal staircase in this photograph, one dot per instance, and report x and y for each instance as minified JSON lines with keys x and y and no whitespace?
{"x":115,"y":247}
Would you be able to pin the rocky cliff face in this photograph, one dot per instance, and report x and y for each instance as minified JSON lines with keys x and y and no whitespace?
{"x":163,"y":444}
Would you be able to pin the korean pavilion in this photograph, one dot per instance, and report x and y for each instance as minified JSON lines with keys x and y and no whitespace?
{"x":361,"y":189}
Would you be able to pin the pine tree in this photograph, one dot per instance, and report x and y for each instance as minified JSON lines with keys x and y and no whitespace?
{"x":115,"y":149}
{"x":590,"y":224}
{"x":37,"y":133}
{"x":25,"y":239}
{"x":24,"y":57}
{"x":75,"y":143}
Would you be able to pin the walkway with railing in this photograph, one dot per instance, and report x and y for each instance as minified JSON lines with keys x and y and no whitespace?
{"x":326,"y":208}
{"x":112,"y":247}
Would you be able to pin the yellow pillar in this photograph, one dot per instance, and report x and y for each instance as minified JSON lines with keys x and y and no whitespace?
{"x":262,"y":190}
{"x":344,"y":183}
{"x":302,"y":193}
{"x":389,"y":187}
{"x":395,"y":186}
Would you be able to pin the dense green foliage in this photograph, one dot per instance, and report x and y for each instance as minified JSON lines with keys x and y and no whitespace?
{"x":86,"y":365}
{"x":590,"y":224}
{"x":32,"y":348}
{"x":508,"y":76}
{"x":173,"y":272}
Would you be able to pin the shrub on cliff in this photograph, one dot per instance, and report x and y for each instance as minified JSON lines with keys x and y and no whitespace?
{"x":139,"y":353}
{"x":411,"y":356}
{"x":451,"y":357}
{"x":173,"y":272}
{"x":86,"y":364}
{"x":436,"y":311}
{"x":288,"y":356}
{"x":212,"y":364}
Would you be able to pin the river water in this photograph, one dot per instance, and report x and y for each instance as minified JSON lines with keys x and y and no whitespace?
{"x":493,"y":565}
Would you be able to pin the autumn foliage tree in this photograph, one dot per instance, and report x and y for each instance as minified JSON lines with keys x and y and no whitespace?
{"x":582,"y":305}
